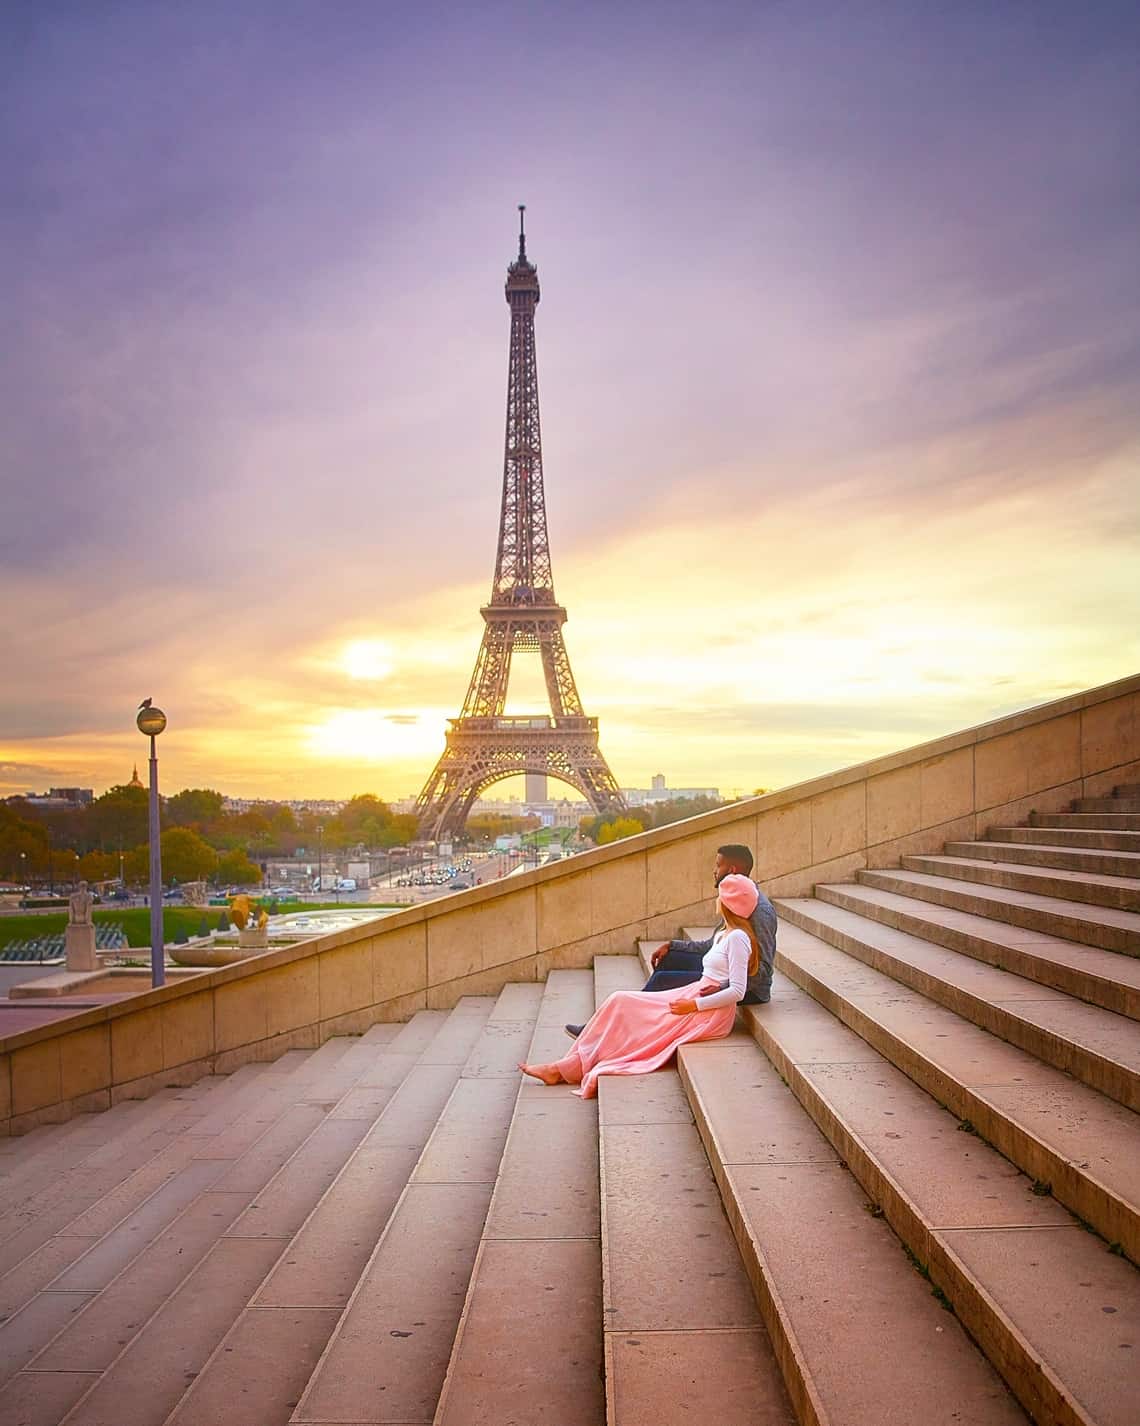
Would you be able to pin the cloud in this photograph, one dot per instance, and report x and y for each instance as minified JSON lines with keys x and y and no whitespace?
{"x":839,"y":349}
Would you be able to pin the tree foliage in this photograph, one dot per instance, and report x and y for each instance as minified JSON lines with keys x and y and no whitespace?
{"x":119,"y":818}
{"x":235,"y":869}
{"x":193,"y":807}
{"x":185,"y":856}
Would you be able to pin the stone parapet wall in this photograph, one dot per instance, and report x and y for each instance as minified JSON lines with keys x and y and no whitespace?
{"x":826,"y":829}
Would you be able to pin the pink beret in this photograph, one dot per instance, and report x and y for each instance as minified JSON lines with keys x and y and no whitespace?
{"x":738,"y":894}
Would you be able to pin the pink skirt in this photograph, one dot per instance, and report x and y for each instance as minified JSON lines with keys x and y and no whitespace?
{"x":634,"y":1032}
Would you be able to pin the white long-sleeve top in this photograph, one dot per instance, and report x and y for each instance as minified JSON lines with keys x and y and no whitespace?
{"x":726,"y":960}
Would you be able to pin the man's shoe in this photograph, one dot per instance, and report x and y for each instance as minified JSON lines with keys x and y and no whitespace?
{"x":574,"y":1030}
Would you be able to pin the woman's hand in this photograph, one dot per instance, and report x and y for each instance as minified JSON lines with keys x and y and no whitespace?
{"x":683,"y":1007}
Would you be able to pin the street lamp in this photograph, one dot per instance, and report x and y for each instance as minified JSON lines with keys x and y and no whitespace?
{"x":320,"y":857}
{"x":24,"y":873}
{"x":151,"y":721}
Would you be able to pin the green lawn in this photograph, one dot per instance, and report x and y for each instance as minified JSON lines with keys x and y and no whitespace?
{"x":135,"y":921}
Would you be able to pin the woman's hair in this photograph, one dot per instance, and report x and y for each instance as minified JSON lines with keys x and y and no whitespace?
{"x":741,"y":923}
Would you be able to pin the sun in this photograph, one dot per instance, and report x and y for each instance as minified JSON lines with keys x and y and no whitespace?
{"x":366,"y":659}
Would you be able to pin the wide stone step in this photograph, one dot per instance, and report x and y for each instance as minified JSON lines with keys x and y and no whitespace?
{"x":1102,"y":821}
{"x":1104,"y":927}
{"x":44,"y":1291}
{"x":1098,"y":977}
{"x":1119,"y":892}
{"x":135,"y":1267}
{"x":1042,"y":854}
{"x":1093,"y":1045}
{"x":529,"y":1342}
{"x":1094,"y":837}
{"x":1129,"y":805}
{"x":388,"y":1356}
{"x":833,"y":1282}
{"x":684,"y":1339}
{"x":1101,"y":862}
{"x":268,"y":1353}
{"x":1085,"y":1147}
{"x":121,"y":1171}
{"x":1004,"y":1255}
{"x":34,"y":1161}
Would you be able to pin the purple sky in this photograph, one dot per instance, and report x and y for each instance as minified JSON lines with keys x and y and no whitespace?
{"x":872,"y":267}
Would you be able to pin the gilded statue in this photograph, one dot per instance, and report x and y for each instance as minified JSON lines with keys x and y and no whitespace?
{"x":244,"y":914}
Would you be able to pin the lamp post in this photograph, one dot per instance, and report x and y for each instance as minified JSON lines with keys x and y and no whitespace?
{"x":151,"y":721}
{"x":51,"y":866}
{"x":320,"y":858}
{"x":24,"y":873}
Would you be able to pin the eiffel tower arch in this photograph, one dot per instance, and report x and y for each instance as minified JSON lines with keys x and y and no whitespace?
{"x":485,"y":744}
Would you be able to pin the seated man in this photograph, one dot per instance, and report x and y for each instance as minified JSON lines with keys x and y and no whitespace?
{"x":679,"y":962}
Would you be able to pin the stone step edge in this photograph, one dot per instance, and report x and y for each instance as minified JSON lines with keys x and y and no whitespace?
{"x":1029,"y":1377}
{"x":378,"y":1247}
{"x":952,"y":892}
{"x":228,"y":1089}
{"x":129,"y":1118}
{"x":790,"y":1355}
{"x":242,"y":1095}
{"x":1104,"y":821}
{"x":1018,"y":960}
{"x":1088,"y":1065}
{"x":1099,"y":861}
{"x":220,"y":1347}
{"x":473,"y":1283}
{"x":143,"y":1247}
{"x":1067,"y":837}
{"x":1083,"y":888}
{"x":1113,"y":1218}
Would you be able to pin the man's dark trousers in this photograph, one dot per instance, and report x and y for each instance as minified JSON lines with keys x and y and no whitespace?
{"x":676,"y":968}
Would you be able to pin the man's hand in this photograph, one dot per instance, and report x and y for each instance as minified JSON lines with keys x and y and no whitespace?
{"x":657,"y":956}
{"x":683,"y":1007}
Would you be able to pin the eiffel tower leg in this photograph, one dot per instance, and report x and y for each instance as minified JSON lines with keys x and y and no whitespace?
{"x":560,"y":686}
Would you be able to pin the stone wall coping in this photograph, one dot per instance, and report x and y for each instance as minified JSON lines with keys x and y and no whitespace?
{"x":573,"y":866}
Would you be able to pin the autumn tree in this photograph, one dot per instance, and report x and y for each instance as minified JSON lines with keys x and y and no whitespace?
{"x":185,"y":856}
{"x":119,"y":818}
{"x":236,"y":869}
{"x":618,"y":828}
{"x":193,"y":807}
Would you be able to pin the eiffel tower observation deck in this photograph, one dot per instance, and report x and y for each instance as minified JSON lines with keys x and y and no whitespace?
{"x":485,"y":744}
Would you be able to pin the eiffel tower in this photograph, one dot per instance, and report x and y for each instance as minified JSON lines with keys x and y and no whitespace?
{"x":483,"y":744}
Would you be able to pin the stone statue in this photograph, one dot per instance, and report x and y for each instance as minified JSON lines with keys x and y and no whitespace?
{"x":79,"y":905}
{"x":79,"y":939}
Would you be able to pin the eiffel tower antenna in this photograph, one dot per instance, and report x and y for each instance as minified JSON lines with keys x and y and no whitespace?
{"x":483,"y":744}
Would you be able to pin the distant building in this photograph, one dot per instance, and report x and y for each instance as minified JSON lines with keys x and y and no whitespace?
{"x":319,"y":807}
{"x":77,"y":796}
{"x":658,"y":792}
{"x":536,"y":787}
{"x":134,"y":782}
{"x":59,"y":799}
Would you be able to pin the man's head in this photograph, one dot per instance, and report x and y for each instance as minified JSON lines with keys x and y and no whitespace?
{"x":731,"y":859}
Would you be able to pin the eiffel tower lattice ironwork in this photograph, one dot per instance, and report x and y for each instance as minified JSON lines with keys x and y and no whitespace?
{"x":484,"y":744}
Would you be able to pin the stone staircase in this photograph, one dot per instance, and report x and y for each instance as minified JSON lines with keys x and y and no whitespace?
{"x":905,"y":1191}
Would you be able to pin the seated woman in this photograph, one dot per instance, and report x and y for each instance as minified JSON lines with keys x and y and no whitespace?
{"x":635,"y":1031}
